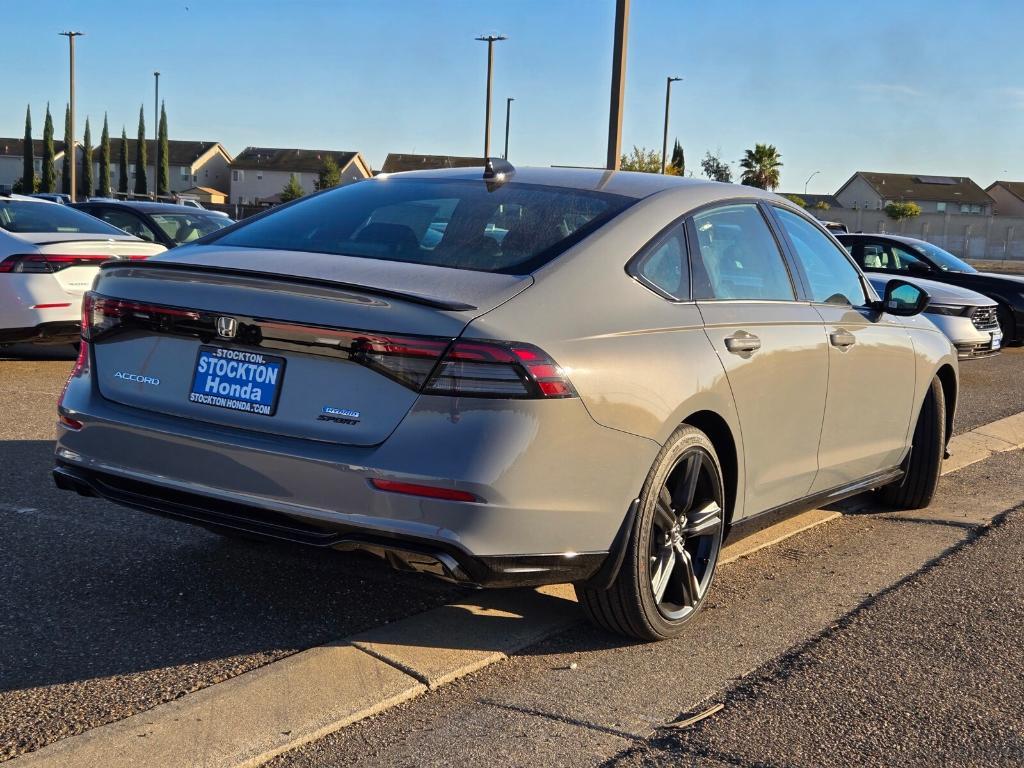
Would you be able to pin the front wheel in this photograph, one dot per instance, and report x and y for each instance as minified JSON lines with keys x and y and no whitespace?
{"x":923,"y":467}
{"x":673,"y":547}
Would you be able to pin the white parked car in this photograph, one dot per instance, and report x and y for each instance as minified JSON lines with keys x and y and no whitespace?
{"x":49,"y":255}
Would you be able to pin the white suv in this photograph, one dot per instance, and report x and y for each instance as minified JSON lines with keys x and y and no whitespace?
{"x":49,"y":254}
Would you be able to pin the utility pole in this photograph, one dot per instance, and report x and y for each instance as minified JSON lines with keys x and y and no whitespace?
{"x":618,"y":92}
{"x":664,"y":139}
{"x":71,"y":51}
{"x":490,"y":40}
{"x":508,"y":114}
{"x":156,"y":134}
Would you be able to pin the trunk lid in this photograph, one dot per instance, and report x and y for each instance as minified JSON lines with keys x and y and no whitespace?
{"x":64,"y":249}
{"x":334,"y":346}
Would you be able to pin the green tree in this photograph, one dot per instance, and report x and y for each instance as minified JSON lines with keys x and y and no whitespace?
{"x":86,"y":186}
{"x":122,"y":161}
{"x":715,"y":168}
{"x":678,"y":159}
{"x":163,"y":174}
{"x":821,"y":205}
{"x":761,"y":167}
{"x":292,"y":190}
{"x":28,"y":167}
{"x":899,"y":211}
{"x":141,"y":188}
{"x":105,"y":159}
{"x":69,"y":153}
{"x":330,"y":174}
{"x":641,"y":159}
{"x":796,"y":199}
{"x":48,"y":182}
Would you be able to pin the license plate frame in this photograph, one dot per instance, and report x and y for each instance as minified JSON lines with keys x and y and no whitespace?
{"x":231,"y":399}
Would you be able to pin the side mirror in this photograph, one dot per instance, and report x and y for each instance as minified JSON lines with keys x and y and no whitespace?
{"x":903,"y":299}
{"x":919,"y":269}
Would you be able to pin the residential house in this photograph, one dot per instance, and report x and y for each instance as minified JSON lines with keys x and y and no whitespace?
{"x":258,"y":174}
{"x":190,"y":164}
{"x":11,"y":160}
{"x":206,"y":195}
{"x":935,"y":194}
{"x":396,"y":163}
{"x":1008,"y":197}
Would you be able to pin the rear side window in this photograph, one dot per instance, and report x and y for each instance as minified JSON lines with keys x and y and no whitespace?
{"x":22,"y":216}
{"x":665,"y":265}
{"x":739,"y":258}
{"x":832,"y":277}
{"x":510,"y":228}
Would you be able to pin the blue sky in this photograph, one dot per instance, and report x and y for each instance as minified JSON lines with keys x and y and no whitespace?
{"x":917,"y":86}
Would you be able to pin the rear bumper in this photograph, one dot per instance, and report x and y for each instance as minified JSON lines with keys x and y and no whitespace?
{"x":555,"y":486}
{"x":62,"y":332}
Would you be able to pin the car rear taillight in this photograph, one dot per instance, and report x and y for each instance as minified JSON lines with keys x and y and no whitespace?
{"x":100,"y":315}
{"x":48,"y":263}
{"x":426,"y":491}
{"x":498,"y":369}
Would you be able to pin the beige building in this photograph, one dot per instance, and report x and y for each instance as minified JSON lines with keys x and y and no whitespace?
{"x":258,"y":174}
{"x":190,"y":164}
{"x":11,"y":160}
{"x":935,"y":194}
{"x":1008,"y":197}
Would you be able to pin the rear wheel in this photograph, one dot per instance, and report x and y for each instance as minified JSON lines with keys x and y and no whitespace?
{"x":924,"y":464}
{"x":673,"y":548}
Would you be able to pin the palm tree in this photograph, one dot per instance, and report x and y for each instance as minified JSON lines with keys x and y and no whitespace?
{"x":761,"y":167}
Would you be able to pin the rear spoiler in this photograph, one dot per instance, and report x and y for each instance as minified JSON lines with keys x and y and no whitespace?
{"x":412,"y":298}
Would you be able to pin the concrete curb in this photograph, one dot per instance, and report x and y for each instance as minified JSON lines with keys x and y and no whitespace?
{"x":249,"y":719}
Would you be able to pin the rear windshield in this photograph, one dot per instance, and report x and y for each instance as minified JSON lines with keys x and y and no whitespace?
{"x":510,"y":228}
{"x":186,"y":227}
{"x":22,"y":216}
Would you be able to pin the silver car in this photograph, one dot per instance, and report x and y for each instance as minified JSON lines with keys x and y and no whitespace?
{"x":969,"y":319}
{"x":510,"y":377}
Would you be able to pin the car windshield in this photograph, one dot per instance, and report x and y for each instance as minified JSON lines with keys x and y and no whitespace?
{"x":23,"y":216}
{"x":509,"y":228}
{"x":944,"y":260}
{"x":186,"y":227}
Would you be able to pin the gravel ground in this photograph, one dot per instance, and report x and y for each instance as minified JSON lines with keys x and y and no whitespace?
{"x":929,"y":673}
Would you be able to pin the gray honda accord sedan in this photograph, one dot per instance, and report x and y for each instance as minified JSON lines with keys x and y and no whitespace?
{"x":510,"y":376}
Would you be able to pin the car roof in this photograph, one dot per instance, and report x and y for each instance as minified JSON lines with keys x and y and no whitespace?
{"x":146,"y":206}
{"x":625,"y":183}
{"x":884,"y":236}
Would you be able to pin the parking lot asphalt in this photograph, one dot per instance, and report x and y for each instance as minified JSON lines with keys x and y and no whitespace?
{"x":108,"y":612}
{"x":586,"y":698}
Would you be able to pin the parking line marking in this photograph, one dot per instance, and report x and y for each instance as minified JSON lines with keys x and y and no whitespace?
{"x":18,"y":510}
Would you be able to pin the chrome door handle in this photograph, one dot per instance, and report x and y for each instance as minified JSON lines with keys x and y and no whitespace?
{"x":842,"y":339}
{"x":742,"y":342}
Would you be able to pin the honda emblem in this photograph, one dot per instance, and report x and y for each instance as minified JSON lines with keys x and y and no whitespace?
{"x":227,"y":327}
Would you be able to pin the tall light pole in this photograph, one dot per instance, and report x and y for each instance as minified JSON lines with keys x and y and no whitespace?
{"x":508,"y":114}
{"x":71,"y":51}
{"x":664,"y":139}
{"x":809,"y":180}
{"x":156,"y":134}
{"x":490,"y":40}
{"x":618,"y":93}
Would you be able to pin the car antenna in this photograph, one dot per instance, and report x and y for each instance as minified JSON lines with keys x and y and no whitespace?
{"x":496,"y":169}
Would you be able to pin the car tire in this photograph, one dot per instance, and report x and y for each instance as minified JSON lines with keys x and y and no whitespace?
{"x":673,"y":547}
{"x":1007,"y":325}
{"x":923,"y":465}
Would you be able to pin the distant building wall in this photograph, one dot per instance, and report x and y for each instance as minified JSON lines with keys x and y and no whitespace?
{"x":1007,"y":203}
{"x":973,"y":237}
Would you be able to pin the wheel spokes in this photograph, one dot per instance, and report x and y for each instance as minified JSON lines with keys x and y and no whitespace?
{"x":703,"y":521}
{"x":687,"y":579}
{"x":664,"y":517}
{"x":662,"y":573}
{"x":683,"y":495}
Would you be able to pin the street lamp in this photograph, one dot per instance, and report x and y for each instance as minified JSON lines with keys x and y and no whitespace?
{"x":71,"y":53}
{"x":618,"y":90}
{"x":664,"y":138}
{"x":490,"y":40}
{"x":508,"y":114}
{"x":156,"y":134}
{"x":809,"y":180}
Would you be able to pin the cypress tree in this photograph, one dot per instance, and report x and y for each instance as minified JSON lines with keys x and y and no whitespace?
{"x":86,"y":186}
{"x":141,"y":188}
{"x":105,"y":159}
{"x":28,"y":173}
{"x":69,"y":153}
{"x":122,"y":182}
{"x":678,"y":159}
{"x":163,"y":173}
{"x":48,"y":183}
